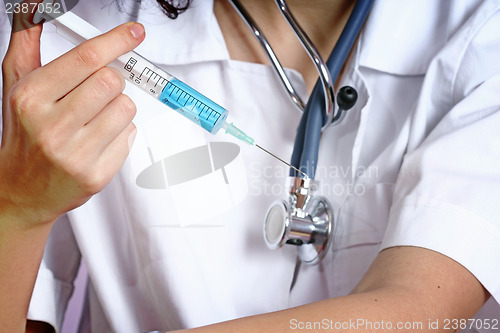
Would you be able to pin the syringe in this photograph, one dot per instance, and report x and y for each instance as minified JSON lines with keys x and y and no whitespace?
{"x":158,"y":83}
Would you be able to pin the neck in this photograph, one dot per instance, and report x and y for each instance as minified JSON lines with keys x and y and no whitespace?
{"x":322,"y":20}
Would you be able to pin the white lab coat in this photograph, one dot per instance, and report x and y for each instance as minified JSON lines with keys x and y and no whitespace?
{"x":415,"y":162}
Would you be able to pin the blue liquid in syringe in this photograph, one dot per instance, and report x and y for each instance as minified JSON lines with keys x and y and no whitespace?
{"x":193,"y":105}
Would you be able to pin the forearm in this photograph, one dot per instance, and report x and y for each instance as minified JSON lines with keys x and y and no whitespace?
{"x":353,"y":313}
{"x":405,"y":286}
{"x":364,"y":312}
{"x":21,"y":250}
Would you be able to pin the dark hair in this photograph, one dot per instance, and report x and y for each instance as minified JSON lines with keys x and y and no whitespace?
{"x":174,"y":7}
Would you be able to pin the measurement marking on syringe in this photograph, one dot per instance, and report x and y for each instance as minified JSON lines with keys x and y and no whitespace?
{"x":165,"y":87}
{"x":152,"y":75}
{"x":184,"y":99}
{"x":158,"y":82}
{"x":184,"y":93}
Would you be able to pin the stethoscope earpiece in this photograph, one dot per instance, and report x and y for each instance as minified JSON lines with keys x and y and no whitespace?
{"x":346,"y":97}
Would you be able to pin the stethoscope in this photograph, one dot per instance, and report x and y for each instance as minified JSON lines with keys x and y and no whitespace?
{"x":306,"y":220}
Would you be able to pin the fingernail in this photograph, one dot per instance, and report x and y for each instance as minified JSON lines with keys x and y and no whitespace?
{"x":136,"y":29}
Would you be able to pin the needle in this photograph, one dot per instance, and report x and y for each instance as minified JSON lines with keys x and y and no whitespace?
{"x":279,"y":159}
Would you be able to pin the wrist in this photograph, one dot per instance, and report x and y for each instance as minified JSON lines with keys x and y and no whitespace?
{"x":17,"y":204}
{"x":16,"y":217}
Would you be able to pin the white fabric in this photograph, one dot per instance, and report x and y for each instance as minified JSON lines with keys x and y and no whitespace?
{"x":416,"y":160}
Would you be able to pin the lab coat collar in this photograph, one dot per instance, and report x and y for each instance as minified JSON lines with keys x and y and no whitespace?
{"x":162,"y":31}
{"x":394,"y":44}
{"x":383,"y":45}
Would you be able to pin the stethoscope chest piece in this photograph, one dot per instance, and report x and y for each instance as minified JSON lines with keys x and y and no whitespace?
{"x":305,"y":221}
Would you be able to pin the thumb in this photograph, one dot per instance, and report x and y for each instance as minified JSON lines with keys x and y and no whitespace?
{"x":23,"y":55}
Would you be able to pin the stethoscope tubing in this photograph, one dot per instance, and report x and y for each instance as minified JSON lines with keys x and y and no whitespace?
{"x":273,"y":59}
{"x":320,"y":109}
{"x":306,"y":146}
{"x":321,"y":67}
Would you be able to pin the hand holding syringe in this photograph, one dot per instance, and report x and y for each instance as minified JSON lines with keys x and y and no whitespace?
{"x":158,"y":83}
{"x":155,"y":81}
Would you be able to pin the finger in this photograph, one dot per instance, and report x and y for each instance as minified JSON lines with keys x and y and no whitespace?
{"x":117,"y":151}
{"x":81,"y":105}
{"x":93,"y":173}
{"x":22,"y":57}
{"x":23,"y":54}
{"x":24,"y":14}
{"x":65,"y":73}
{"x":109,"y":123}
{"x":113,"y":158}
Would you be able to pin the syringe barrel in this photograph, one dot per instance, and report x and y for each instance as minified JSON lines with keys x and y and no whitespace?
{"x":150,"y":78}
{"x":171,"y":91}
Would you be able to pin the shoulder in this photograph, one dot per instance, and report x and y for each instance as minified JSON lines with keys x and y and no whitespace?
{"x":477,"y":61}
{"x":405,"y":37}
